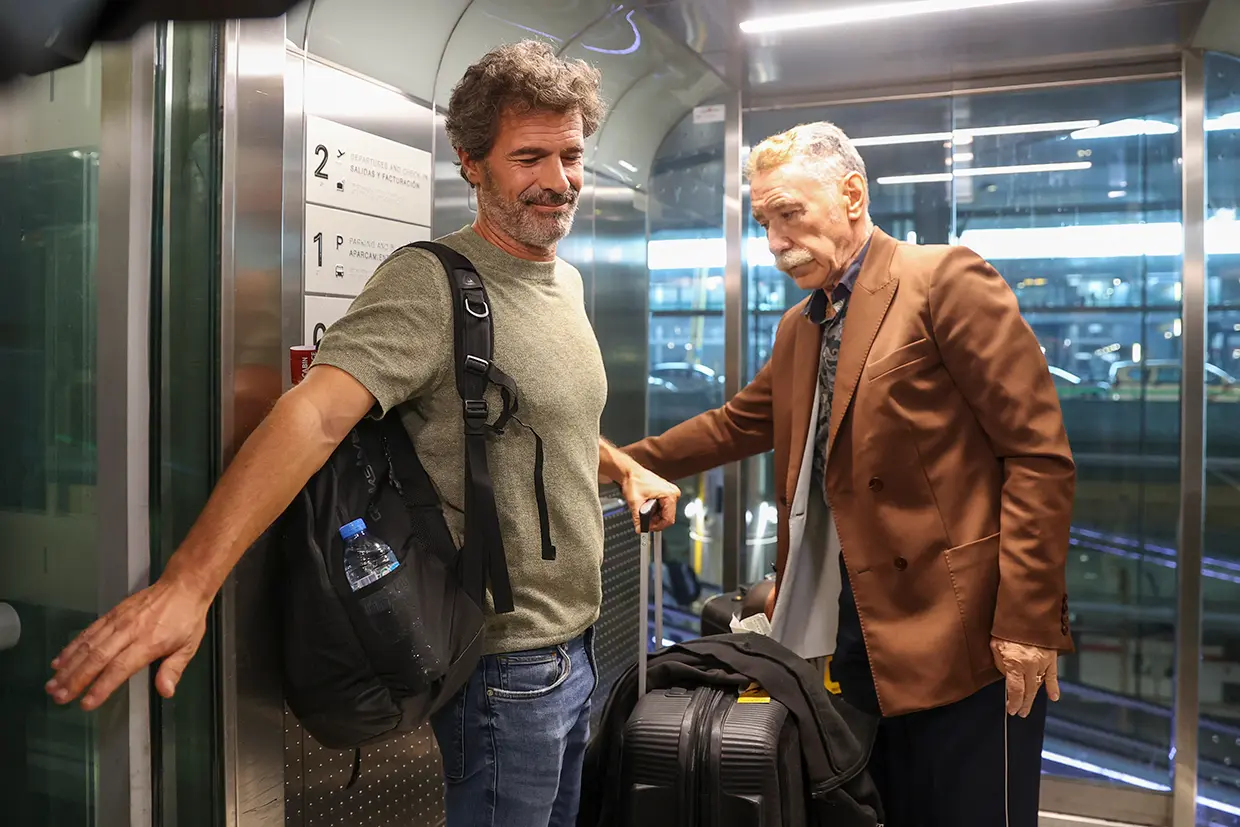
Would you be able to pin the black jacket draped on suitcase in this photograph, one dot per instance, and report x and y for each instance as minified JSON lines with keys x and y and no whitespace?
{"x":833,"y":739}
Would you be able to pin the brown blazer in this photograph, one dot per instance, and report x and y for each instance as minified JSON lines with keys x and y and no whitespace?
{"x":949,"y":472}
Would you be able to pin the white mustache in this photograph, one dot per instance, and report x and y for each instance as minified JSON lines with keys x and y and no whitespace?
{"x":789,"y":260}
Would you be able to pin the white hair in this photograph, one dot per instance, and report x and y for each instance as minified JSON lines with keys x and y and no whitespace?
{"x":820,"y":144}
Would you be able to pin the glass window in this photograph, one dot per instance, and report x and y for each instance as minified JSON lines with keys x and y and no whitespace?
{"x":50,"y":131}
{"x":686,"y":345}
{"x":1074,"y":195}
{"x":1219,"y":767}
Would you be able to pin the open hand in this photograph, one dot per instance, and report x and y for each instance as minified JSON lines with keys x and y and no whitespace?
{"x":166,"y":620}
{"x":1026,"y":667}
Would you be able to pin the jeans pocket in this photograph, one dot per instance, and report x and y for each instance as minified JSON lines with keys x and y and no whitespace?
{"x":449,"y":727}
{"x":528,"y":675}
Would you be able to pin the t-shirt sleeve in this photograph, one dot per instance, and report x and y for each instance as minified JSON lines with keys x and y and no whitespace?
{"x":396,"y":338}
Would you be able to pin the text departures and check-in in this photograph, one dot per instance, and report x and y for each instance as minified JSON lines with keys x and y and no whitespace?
{"x":365,"y":196}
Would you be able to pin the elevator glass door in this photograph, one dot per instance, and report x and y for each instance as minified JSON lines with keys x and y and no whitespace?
{"x":50,"y":135}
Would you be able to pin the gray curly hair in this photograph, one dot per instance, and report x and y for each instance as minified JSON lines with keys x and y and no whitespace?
{"x":519,"y":77}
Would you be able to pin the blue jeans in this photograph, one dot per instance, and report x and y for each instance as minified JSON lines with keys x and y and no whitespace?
{"x":513,"y":740}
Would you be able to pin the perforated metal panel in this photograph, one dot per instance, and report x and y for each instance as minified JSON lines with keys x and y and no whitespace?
{"x":401,"y":784}
{"x":615,"y":635}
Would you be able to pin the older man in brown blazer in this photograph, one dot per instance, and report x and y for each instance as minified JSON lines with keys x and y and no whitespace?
{"x":924,"y":486}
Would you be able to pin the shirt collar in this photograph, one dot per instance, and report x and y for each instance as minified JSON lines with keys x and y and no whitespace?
{"x":816,"y":309}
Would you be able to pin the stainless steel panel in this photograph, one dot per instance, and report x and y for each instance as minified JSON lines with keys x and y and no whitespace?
{"x":398,"y":43}
{"x":1220,"y":28}
{"x":454,"y":206}
{"x":345,"y":96}
{"x":292,"y":274}
{"x":485,"y":24}
{"x":1117,"y":72}
{"x":965,"y":44}
{"x":1192,"y":447}
{"x":736,"y":307}
{"x":252,"y":364}
{"x":126,"y":192}
{"x":401,"y":780}
{"x":621,"y":305}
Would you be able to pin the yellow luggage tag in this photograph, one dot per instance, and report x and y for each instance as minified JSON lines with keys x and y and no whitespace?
{"x":754,"y":694}
{"x":831,"y":686}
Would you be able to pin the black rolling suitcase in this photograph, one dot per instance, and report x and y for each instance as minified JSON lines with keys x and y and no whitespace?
{"x":705,"y":757}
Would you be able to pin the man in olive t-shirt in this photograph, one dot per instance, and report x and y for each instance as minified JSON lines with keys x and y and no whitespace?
{"x":514,"y":738}
{"x":397,"y":340}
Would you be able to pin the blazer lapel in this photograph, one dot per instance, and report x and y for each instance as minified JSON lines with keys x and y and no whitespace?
{"x":806,"y":351}
{"x":872,"y":295}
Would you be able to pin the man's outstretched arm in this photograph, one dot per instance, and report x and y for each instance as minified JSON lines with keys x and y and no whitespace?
{"x":168,"y":618}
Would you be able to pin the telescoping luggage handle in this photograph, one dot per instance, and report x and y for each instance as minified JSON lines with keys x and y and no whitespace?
{"x":646,"y":514}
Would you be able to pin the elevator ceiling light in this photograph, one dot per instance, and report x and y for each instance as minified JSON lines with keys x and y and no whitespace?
{"x":974,"y":172}
{"x":1126,"y":128}
{"x":1085,"y":241}
{"x":966,"y":135}
{"x":1231,"y":120}
{"x":925,"y":178}
{"x":868,"y":13}
{"x":1020,"y":169}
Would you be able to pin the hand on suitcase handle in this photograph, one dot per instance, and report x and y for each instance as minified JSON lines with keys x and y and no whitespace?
{"x":638,"y":487}
{"x":651,"y":546}
{"x":646,"y":514}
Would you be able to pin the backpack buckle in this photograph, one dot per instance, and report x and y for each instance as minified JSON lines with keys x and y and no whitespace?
{"x":476,"y":409}
{"x":477,"y":365}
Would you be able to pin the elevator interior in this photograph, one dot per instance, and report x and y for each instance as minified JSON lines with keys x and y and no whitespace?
{"x":172,"y":211}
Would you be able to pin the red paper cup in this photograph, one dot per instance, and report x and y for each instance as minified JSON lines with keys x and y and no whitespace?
{"x":300,"y":358}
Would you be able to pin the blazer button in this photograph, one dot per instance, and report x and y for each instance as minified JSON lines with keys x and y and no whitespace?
{"x":901,"y":564}
{"x":876,"y":484}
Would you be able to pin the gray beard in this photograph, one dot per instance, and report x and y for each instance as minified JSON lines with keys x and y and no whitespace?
{"x":521,"y":222}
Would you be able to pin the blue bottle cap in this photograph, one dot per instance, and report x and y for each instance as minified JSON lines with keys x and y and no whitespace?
{"x":353,"y":529}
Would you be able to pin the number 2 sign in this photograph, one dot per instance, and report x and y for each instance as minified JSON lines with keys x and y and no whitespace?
{"x":349,"y":169}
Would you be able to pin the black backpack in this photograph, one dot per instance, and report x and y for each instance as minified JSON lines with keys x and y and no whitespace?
{"x":361,"y":667}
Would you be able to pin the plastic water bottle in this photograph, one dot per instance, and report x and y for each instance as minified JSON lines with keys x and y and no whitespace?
{"x":366,"y":559}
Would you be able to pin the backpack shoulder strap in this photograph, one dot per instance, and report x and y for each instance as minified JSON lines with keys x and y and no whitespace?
{"x":482,"y":557}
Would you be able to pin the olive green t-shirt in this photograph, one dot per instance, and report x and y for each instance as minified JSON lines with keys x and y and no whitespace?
{"x":397,"y":340}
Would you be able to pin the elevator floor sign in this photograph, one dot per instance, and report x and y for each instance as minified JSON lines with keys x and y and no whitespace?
{"x":349,"y":169}
{"x":342,"y":249}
